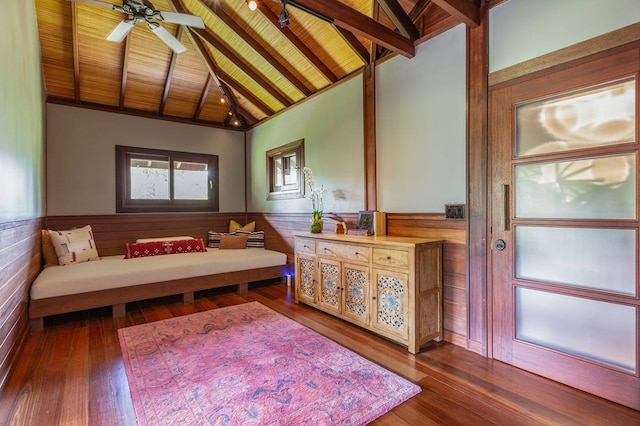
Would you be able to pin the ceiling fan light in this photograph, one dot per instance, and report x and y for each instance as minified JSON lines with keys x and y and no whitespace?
{"x":253,"y":5}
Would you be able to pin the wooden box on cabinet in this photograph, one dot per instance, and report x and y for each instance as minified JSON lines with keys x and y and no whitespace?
{"x":391,"y":286}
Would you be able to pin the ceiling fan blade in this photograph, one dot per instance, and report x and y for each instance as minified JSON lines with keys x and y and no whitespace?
{"x":182,"y":19}
{"x":94,"y":2}
{"x":121,"y":30}
{"x":166,"y":37}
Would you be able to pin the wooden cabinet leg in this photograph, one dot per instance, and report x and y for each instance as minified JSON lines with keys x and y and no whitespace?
{"x":243,"y":288}
{"x":188,"y":297}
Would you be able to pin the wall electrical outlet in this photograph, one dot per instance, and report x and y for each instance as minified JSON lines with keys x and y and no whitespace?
{"x":454,"y":211}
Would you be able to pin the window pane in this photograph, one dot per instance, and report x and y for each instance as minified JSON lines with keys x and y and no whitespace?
{"x":191,"y":181}
{"x":290,"y":170}
{"x":601,"y":259}
{"x":600,"y":331}
{"x":590,"y":188}
{"x":149,"y":179}
{"x":595,"y":117}
{"x":277,"y":172}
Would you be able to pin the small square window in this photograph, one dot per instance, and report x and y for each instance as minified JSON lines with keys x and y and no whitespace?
{"x":284,"y":171}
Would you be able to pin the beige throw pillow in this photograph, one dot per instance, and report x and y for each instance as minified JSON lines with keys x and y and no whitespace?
{"x":233,"y":242}
{"x":75,"y":245}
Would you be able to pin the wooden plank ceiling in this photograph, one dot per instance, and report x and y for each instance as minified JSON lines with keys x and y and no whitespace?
{"x":242,"y":68}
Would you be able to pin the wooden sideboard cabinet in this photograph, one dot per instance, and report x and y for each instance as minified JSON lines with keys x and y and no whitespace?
{"x":391,"y":286}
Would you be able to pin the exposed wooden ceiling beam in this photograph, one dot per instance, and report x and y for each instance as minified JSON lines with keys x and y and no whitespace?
{"x":418,"y":10}
{"x":463,"y":10}
{"x":203,"y":98}
{"x":351,"y":20}
{"x":217,"y":75}
{"x":226,"y":51}
{"x":216,"y":8}
{"x":76,"y":58}
{"x":295,"y":40}
{"x":400,"y":19}
{"x":355,"y":44}
{"x":243,"y":65}
{"x":241,"y":90}
{"x":167,"y":82}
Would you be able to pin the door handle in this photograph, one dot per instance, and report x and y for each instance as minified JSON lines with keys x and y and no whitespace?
{"x":500,"y":245}
{"x":505,"y":207}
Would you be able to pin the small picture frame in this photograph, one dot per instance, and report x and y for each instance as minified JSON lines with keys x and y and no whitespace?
{"x":365,"y":220}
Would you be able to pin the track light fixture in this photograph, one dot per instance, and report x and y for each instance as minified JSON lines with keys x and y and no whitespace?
{"x":283,"y":19}
{"x":253,"y":5}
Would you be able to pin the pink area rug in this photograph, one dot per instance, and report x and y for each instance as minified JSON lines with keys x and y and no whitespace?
{"x":249,"y":365}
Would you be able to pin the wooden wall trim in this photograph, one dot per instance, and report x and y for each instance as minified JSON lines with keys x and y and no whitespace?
{"x":112,"y":231}
{"x":20,"y":263}
{"x":571,"y":53}
{"x":477,"y":183}
{"x":370,"y":179}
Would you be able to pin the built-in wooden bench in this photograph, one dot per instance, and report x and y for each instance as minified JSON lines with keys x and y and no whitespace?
{"x":114,"y":281}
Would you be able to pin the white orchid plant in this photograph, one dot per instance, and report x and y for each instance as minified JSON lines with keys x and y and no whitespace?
{"x":315,"y":194}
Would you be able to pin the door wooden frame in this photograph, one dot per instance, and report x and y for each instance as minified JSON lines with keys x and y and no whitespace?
{"x":479,"y":84}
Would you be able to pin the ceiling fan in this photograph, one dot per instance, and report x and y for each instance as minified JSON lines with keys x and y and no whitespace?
{"x":144,"y":11}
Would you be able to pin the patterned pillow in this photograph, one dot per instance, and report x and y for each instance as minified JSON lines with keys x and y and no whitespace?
{"x":254,"y":239}
{"x":74,"y":245}
{"x":150,"y":240}
{"x":160,"y":248}
{"x":214,"y":238}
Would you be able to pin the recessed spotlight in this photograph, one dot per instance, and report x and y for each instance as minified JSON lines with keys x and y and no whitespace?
{"x":253,"y":5}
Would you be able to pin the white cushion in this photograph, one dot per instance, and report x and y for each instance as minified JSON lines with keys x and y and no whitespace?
{"x":116,"y":272}
{"x":74,"y":245}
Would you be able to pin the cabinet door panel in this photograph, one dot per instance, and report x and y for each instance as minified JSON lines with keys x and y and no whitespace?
{"x":306,"y":290}
{"x":330,"y":288}
{"x":391,"y":304}
{"x":356,"y":284}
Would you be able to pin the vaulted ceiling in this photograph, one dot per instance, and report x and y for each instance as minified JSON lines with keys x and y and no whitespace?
{"x":242,"y":68}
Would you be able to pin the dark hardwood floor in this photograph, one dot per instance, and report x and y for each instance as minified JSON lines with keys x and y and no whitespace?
{"x":72,"y":372}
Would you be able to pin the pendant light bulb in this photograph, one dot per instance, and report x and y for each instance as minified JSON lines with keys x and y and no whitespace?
{"x":253,"y":5}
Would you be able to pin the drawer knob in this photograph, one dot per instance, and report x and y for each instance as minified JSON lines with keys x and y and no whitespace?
{"x":374,"y":298}
{"x":388,"y":257}
{"x":305,"y":246}
{"x":357,"y":253}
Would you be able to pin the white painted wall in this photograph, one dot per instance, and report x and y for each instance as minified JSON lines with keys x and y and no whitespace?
{"x":331,"y":126}
{"x":421,"y":126}
{"x":520,"y":30}
{"x":81,"y":156}
{"x":21,"y":114}
{"x":421,"y":119}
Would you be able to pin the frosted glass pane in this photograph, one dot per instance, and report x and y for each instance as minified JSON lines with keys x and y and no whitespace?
{"x":149,"y":180}
{"x":604,"y":115}
{"x":190,"y":181}
{"x":600,"y":331}
{"x":602,"y":259}
{"x":590,"y":188}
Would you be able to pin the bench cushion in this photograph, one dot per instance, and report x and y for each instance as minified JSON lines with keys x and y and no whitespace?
{"x":115,"y":272}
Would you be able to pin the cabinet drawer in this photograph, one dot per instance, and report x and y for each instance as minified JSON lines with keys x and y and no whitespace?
{"x":344,"y":251}
{"x":386,"y":257}
{"x":304,"y":245}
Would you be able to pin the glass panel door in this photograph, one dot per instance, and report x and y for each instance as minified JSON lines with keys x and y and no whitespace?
{"x":564,"y":255}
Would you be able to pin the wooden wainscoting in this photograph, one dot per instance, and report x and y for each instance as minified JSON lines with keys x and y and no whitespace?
{"x":112,"y":231}
{"x":20,"y":263}
{"x":454,"y":288}
{"x":281,"y":227}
